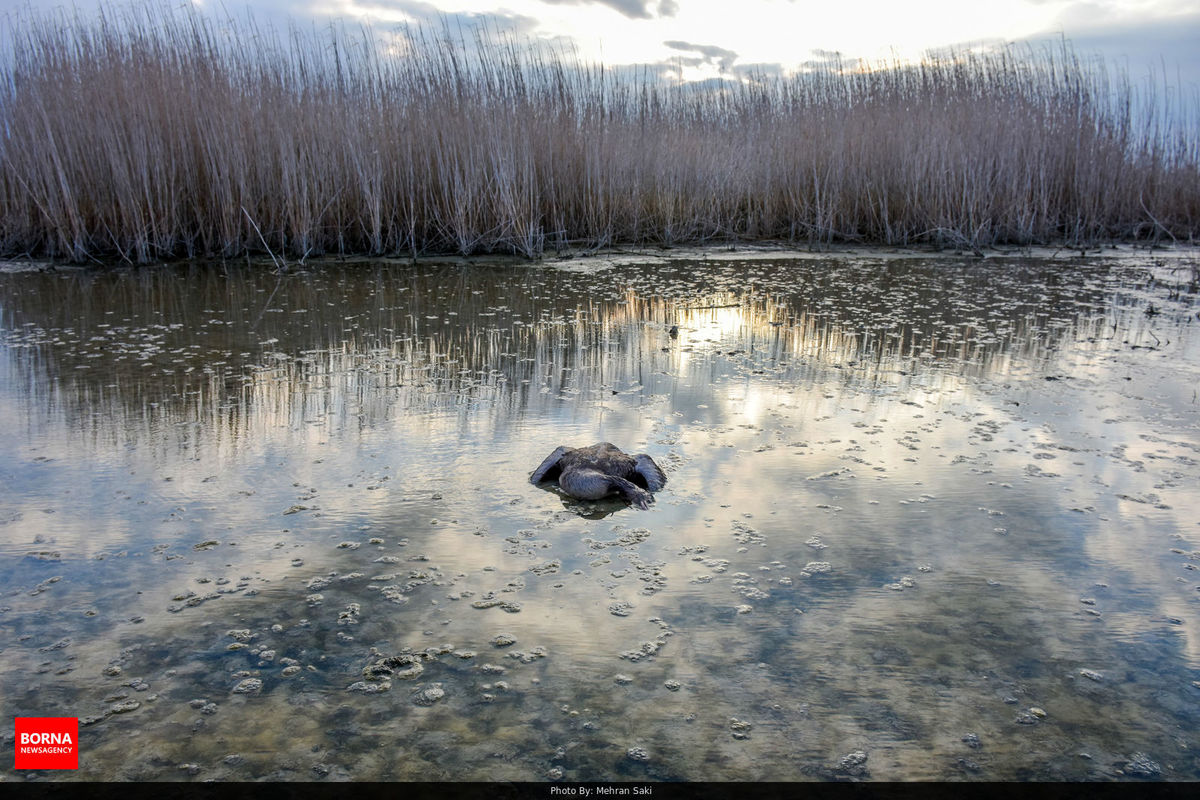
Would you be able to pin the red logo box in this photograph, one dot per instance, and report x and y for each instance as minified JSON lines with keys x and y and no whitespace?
{"x":47,"y":743}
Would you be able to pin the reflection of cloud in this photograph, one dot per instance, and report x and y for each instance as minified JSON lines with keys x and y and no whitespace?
{"x":869,"y":404}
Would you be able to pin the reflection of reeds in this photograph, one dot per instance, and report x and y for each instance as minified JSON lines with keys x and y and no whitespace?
{"x":125,"y":358}
{"x":149,"y":135}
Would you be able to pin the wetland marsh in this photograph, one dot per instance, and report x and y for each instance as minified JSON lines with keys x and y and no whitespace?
{"x":926,"y":518}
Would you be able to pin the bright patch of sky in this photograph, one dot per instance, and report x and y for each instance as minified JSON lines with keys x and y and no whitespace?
{"x":708,"y":38}
{"x":705,"y":37}
{"x":774,"y":31}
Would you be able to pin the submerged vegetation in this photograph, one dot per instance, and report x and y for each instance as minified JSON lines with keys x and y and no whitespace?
{"x":154,"y":134}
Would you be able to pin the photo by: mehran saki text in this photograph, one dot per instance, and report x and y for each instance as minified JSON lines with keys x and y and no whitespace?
{"x":602,"y":790}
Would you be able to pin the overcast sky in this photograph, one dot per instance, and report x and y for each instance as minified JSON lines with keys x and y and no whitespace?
{"x":709,"y":37}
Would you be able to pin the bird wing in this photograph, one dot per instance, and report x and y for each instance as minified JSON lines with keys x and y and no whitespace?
{"x":549,"y":468}
{"x":655,"y":477}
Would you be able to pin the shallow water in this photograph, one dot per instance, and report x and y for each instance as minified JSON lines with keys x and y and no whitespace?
{"x":926,"y":518}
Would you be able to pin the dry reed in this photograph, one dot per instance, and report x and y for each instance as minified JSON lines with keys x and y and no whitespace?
{"x":149,"y":134}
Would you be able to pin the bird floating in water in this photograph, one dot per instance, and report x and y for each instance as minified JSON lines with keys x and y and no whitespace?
{"x":590,"y":473}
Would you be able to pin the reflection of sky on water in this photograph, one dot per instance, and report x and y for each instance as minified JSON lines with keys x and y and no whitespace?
{"x":997,"y":462}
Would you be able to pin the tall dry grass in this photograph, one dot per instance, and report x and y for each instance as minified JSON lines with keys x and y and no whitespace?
{"x":148,"y":134}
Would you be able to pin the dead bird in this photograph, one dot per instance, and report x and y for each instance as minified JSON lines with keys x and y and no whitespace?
{"x":600,"y":470}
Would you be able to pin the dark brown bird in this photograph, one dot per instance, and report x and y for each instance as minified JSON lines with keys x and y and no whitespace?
{"x":591,"y":473}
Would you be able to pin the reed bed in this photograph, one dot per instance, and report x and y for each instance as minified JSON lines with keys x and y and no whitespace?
{"x":149,"y":133}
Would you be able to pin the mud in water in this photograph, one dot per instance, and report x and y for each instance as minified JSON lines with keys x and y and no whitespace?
{"x":925,"y":518}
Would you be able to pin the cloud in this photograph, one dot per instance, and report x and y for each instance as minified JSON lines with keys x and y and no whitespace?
{"x":707,"y":54}
{"x":419,"y":12}
{"x":634,"y":9}
{"x":830,"y":56}
{"x":827,"y":60}
{"x":712,"y":84}
{"x":759,"y":71}
{"x":642,"y":72}
{"x":1143,"y":46}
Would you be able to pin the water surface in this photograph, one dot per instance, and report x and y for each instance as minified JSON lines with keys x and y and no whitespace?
{"x":926,"y":518}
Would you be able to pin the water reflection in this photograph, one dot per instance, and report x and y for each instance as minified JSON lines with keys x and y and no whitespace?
{"x":518,"y":341}
{"x":910,"y":503}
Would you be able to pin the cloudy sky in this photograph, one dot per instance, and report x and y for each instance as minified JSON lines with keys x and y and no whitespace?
{"x":706,"y":38}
